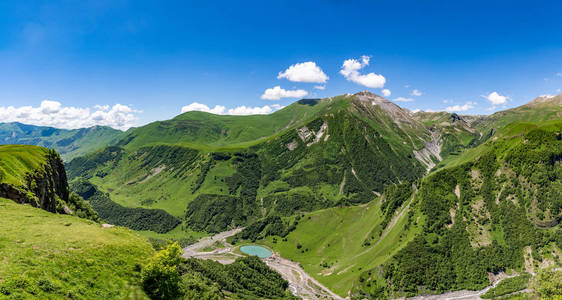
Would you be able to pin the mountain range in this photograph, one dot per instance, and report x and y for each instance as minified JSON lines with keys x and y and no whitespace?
{"x":371,"y":199}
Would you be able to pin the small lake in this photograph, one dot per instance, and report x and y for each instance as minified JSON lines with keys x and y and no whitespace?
{"x":255,"y":250}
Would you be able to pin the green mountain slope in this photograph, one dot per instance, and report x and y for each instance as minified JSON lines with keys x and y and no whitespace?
{"x":200,"y":129}
{"x":346,"y":150}
{"x":36,"y":176}
{"x":496,"y":210}
{"x":69,"y":143}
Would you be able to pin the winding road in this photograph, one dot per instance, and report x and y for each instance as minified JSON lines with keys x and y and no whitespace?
{"x":300,"y":283}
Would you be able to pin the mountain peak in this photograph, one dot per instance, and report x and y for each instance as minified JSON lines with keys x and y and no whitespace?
{"x":547,"y":99}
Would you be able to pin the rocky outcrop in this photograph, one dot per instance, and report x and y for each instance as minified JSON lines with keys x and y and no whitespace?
{"x":46,"y":187}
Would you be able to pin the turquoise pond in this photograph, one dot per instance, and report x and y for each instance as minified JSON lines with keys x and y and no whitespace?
{"x":258,"y":251}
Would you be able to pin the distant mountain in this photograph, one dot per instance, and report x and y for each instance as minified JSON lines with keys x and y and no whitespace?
{"x":68,"y":143}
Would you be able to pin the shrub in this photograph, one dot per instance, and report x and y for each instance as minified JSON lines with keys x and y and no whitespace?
{"x":160,"y":277}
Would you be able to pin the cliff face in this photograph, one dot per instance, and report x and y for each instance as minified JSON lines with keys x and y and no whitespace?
{"x":46,"y":187}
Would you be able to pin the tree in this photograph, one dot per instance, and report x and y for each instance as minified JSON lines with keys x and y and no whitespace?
{"x":160,"y":277}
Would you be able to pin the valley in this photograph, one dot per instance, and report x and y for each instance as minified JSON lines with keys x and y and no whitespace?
{"x":357,"y":197}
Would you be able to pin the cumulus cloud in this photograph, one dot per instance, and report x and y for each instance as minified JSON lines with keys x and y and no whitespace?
{"x":238,"y":111}
{"x":350,"y":70}
{"x":277,"y":93}
{"x":424,"y":110}
{"x":402,"y":99}
{"x":54,"y":114}
{"x":386,"y":92}
{"x":196,"y":106}
{"x":468,"y":105}
{"x":416,"y":93}
{"x":320,"y":87}
{"x":304,"y":72}
{"x":496,"y":98}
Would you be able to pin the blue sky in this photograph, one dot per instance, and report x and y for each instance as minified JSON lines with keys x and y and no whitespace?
{"x":155,"y":57}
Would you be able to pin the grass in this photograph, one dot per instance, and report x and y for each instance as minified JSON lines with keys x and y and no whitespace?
{"x":174,"y":234}
{"x":52,"y":256}
{"x":162,"y":191}
{"x":332,"y":249}
{"x":17,"y":160}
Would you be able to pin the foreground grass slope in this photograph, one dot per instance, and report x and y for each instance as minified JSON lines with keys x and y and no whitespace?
{"x":46,"y":255}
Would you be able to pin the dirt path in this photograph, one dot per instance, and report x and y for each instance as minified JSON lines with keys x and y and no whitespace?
{"x":300,"y":283}
{"x":192,"y":250}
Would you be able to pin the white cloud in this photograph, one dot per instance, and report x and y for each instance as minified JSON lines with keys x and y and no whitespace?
{"x":496,"y":98}
{"x":102,"y":107}
{"x":304,"y":72}
{"x":546,"y":96}
{"x":246,"y":110}
{"x":52,"y":113}
{"x":320,"y":87}
{"x":196,"y":106}
{"x":350,"y":70}
{"x":416,"y":93}
{"x":402,"y":99}
{"x":277,"y":93}
{"x":386,"y":92}
{"x":424,"y":110}
{"x":467,"y":106}
{"x":239,"y":110}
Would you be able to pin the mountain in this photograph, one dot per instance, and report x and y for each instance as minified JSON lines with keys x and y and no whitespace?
{"x":69,"y":143}
{"x":372,"y":200}
{"x":496,"y":209}
{"x":310,"y":155}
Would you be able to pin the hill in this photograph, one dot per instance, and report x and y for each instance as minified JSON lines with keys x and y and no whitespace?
{"x":69,"y":143}
{"x":361,"y":143}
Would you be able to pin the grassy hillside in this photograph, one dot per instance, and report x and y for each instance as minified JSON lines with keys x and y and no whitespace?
{"x":360,"y":143}
{"x":36,"y":176}
{"x":52,"y":256}
{"x":337,"y":245}
{"x":17,"y":160}
{"x":68,"y":143}
{"x":208,"y":130}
